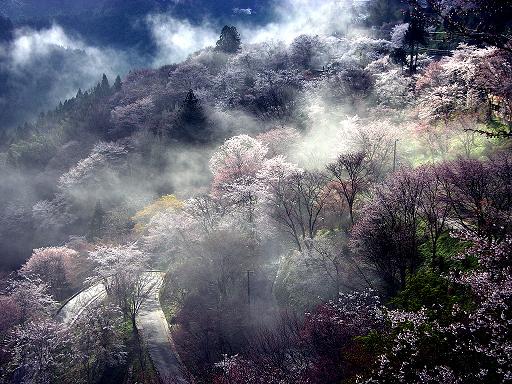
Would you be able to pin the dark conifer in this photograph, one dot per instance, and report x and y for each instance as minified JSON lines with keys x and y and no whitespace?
{"x":104,"y":82}
{"x":118,"y":84}
{"x":97,"y":225}
{"x":229,"y":40}
{"x":191,"y":123}
{"x":416,"y":35}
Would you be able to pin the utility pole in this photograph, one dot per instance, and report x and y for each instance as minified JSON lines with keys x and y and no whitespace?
{"x":394,"y":156}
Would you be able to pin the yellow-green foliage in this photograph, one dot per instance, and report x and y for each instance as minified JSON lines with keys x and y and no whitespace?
{"x":436,"y":143}
{"x":166,"y":202}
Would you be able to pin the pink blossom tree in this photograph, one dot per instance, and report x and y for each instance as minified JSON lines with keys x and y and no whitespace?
{"x":54,"y":266}
{"x":97,"y":342}
{"x":279,"y":141}
{"x":234,"y":166}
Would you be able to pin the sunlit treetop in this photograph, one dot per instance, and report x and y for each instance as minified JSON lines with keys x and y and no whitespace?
{"x":164,"y":203}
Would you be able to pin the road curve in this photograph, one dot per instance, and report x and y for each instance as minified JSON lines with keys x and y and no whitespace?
{"x":150,"y":321}
{"x":155,"y":331}
{"x":75,"y":306}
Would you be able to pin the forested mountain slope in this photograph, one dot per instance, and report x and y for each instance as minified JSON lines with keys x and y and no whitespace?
{"x":331,"y":209}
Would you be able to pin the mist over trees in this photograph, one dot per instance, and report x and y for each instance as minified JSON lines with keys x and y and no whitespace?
{"x":324,"y":208}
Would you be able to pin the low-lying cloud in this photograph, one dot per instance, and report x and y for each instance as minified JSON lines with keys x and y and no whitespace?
{"x":42,"y":67}
{"x":297,"y":17}
{"x":176,"y":39}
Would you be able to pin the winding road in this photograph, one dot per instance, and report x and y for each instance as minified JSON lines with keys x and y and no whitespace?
{"x":78,"y":303}
{"x":150,"y":321}
{"x":155,"y":331}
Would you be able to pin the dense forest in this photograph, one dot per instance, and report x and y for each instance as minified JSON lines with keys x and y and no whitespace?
{"x":278,"y":207}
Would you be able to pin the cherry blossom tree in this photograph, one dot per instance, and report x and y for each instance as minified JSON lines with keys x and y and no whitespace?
{"x":55,"y":213}
{"x":97,"y":342}
{"x":478,"y":193}
{"x":314,"y":352}
{"x":144,"y":216}
{"x":306,"y":51}
{"x":206,"y":212}
{"x":276,"y":180}
{"x":472,"y":343}
{"x":189,"y":75}
{"x":450,"y":85}
{"x":279,"y":141}
{"x":234,"y":166}
{"x":237,"y":157}
{"x":295,"y":199}
{"x":398,"y":35}
{"x":121,"y":269}
{"x":133,"y":117}
{"x":39,"y":351}
{"x":376,"y":140}
{"x":393,"y":89}
{"x":367,"y":49}
{"x":54,"y":266}
{"x":32,"y":299}
{"x":353,"y":82}
{"x":333,"y":329}
{"x":10,"y":315}
{"x":102,"y":155}
{"x":169,"y":231}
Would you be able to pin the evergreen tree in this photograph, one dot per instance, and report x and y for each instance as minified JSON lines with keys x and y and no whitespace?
{"x":118,"y":84}
{"x":416,"y":35}
{"x":399,"y":56}
{"x":97,"y":225}
{"x":191,"y":123}
{"x":229,"y":40}
{"x":383,"y":12}
{"x":104,"y":82}
{"x":103,"y":88}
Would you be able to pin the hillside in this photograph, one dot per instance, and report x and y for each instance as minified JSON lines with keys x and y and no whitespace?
{"x":329,"y":208}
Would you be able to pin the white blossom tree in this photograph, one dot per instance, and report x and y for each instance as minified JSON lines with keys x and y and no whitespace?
{"x":97,"y":342}
{"x":39,"y":352}
{"x":121,"y":269}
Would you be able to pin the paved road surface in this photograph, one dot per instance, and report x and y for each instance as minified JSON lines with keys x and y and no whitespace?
{"x":150,"y":321}
{"x":156,"y":334}
{"x":79,"y":303}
